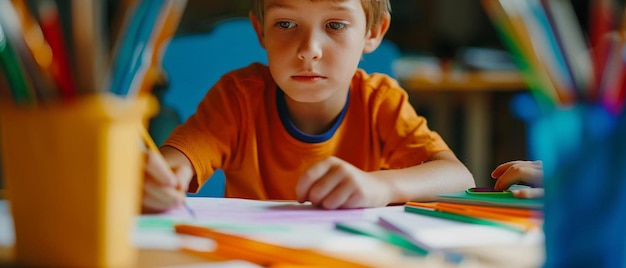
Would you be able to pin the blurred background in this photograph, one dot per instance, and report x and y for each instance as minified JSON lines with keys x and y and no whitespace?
{"x":439,"y":26}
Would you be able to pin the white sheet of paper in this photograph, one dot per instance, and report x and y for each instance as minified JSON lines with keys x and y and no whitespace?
{"x":284,"y":223}
{"x":439,"y":233}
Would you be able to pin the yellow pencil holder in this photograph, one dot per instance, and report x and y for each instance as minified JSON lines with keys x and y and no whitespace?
{"x":73,"y":175}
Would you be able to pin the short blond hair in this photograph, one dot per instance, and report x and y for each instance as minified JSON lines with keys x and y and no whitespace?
{"x":375,"y":10}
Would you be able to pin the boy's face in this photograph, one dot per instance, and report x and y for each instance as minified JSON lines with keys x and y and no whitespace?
{"x":314,"y":47}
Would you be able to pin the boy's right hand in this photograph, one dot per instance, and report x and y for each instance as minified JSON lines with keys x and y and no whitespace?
{"x":166,"y":180}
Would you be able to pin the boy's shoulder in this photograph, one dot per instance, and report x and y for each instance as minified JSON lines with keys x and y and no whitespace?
{"x":377,"y":84}
{"x":246,"y":80}
{"x":254,"y":71}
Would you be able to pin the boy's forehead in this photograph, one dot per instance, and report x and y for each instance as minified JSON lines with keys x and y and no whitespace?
{"x":270,"y":4}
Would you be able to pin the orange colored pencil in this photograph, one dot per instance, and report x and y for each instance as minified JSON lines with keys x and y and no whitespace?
{"x":518,"y":212}
{"x":522,"y":222}
{"x":236,"y":247}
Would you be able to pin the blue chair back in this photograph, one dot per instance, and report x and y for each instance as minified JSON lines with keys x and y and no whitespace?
{"x":381,"y":60}
{"x":194,"y":63}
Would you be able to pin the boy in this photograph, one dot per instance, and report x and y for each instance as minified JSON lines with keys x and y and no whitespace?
{"x":310,"y":126}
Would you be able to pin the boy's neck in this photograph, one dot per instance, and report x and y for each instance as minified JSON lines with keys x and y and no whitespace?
{"x":314,"y":118}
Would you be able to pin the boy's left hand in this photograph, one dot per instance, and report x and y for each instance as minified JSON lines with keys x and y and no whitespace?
{"x":334,"y":183}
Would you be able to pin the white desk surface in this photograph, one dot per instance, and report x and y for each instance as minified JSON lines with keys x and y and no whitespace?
{"x":304,"y":226}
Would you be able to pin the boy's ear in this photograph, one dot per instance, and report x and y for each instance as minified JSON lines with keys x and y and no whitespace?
{"x":258,"y":27}
{"x":376,"y":34}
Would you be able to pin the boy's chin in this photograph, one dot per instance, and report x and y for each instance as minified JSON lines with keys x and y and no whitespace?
{"x":307,"y":97}
{"x":309,"y":100}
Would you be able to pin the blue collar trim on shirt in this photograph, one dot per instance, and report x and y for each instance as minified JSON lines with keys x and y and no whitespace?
{"x":295,"y":132}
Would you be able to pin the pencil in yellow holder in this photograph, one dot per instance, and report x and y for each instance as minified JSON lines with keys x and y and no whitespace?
{"x":73,"y":175}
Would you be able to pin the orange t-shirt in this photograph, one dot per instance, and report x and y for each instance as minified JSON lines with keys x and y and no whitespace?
{"x":237,"y":128}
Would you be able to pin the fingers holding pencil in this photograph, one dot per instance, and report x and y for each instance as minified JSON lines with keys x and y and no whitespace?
{"x":159,"y":171}
{"x":161,"y":189}
{"x":167,"y":176}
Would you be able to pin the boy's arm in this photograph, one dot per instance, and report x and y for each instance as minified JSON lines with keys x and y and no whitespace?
{"x":167,"y":177}
{"x":334,"y":183}
{"x":440,"y":174}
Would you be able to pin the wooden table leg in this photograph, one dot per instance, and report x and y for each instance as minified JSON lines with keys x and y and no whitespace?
{"x":477,"y":140}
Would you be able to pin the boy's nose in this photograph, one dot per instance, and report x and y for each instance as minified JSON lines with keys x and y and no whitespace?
{"x":310,"y":47}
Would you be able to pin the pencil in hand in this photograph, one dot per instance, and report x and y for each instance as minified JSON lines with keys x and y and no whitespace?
{"x":149,"y":143}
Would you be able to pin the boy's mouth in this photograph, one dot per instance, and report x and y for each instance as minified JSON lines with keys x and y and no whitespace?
{"x":308,"y":77}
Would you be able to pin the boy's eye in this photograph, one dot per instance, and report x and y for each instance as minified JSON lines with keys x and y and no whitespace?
{"x":336,"y":25}
{"x":285,"y":24}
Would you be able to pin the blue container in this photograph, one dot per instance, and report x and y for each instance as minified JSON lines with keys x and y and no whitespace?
{"x":583,"y":148}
